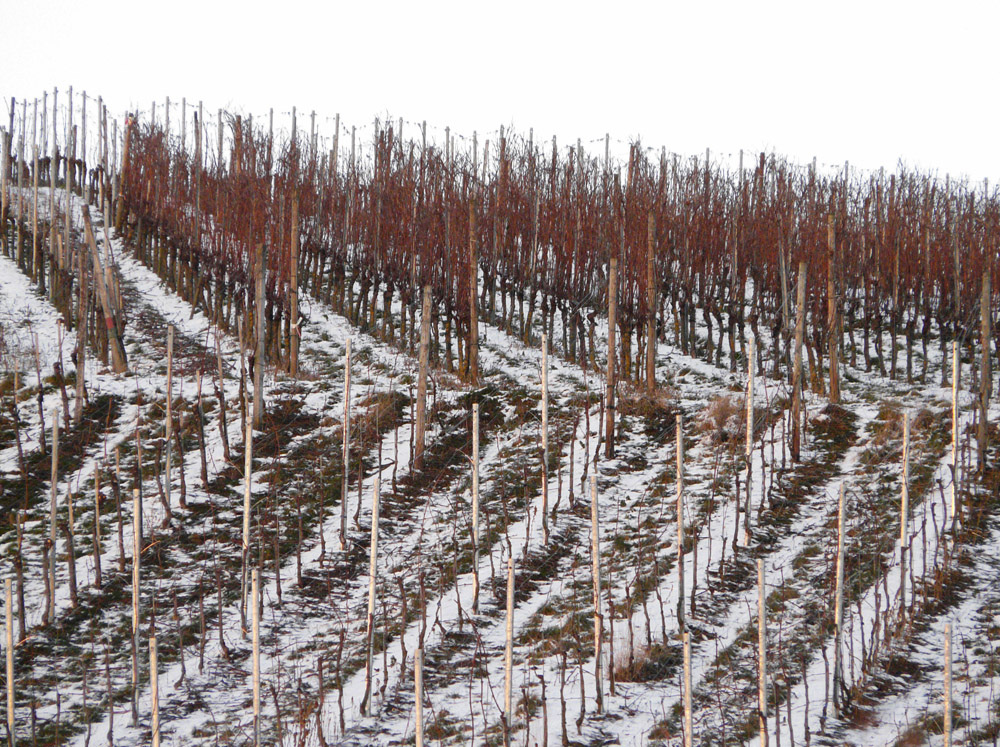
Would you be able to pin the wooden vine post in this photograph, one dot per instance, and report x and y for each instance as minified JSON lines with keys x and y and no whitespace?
{"x":800,"y":327}
{"x":344,"y":470}
{"x":609,"y":397}
{"x":136,"y":555}
{"x":425,"y":343}
{"x":956,"y":378}
{"x":595,"y":554}
{"x":748,"y":453}
{"x":293,"y":353}
{"x":473,"y":296}
{"x":154,"y":692}
{"x":52,"y":513}
{"x":680,"y":524}
{"x":904,"y":515}
{"x":545,"y":438}
{"x":508,"y":657}
{"x":832,"y":316}
{"x":947,"y":685}
{"x":688,"y":721}
{"x":651,"y":295}
{"x":838,"y":608}
{"x":9,"y":615}
{"x":112,"y":323}
{"x":366,"y":708}
{"x":255,"y":601}
{"x":761,"y":652}
{"x":169,"y":424}
{"x":418,"y":692}
{"x":985,"y":373}
{"x":259,"y":348}
{"x":475,"y":508}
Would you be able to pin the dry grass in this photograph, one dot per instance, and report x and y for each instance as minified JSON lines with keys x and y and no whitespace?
{"x":723,"y":420}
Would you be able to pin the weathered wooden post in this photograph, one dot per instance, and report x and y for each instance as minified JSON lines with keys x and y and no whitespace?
{"x":680,"y":524}
{"x":833,"y":323}
{"x":169,"y":424}
{"x":688,"y":721}
{"x":595,"y":554}
{"x":366,"y":708}
{"x":838,"y":608}
{"x":651,"y":296}
{"x":10,"y":660}
{"x":52,"y":512}
{"x":155,"y":692}
{"x":545,"y":438}
{"x":947,"y":684}
{"x":345,"y":467}
{"x":508,"y":659}
{"x":245,"y":544}
{"x":956,"y":378}
{"x":293,"y":354}
{"x":475,"y":508}
{"x":748,"y":453}
{"x":260,"y":353}
{"x":425,"y":342}
{"x":985,"y":372}
{"x":762,"y":652}
{"x":255,"y":601}
{"x":800,"y":327}
{"x":473,"y":296}
{"x":136,"y":555}
{"x":904,"y":515}
{"x":418,"y":687}
{"x":609,"y":397}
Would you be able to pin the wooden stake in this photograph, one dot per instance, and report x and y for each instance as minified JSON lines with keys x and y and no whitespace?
{"x":136,"y":560}
{"x":425,"y":339}
{"x":947,"y":684}
{"x":904,"y":515}
{"x":680,"y":523}
{"x":985,"y":372}
{"x":294,"y":291}
{"x":508,"y":658}
{"x":800,"y":326}
{"x":347,"y":447}
{"x":956,"y":378}
{"x":475,"y":508}
{"x":118,"y":357}
{"x":52,"y":512}
{"x":595,"y":555}
{"x":169,"y":424}
{"x":761,"y":653}
{"x":545,"y":438}
{"x":748,"y":454}
{"x":418,"y":687}
{"x":838,"y":608}
{"x":10,"y":661}
{"x":688,"y":722}
{"x":245,"y":545}
{"x":255,"y":601}
{"x":259,"y":350}
{"x":473,"y":352}
{"x":154,"y":687}
{"x":372,"y":575}
{"x":609,"y":405}
{"x":651,"y":294}
{"x":833,"y":326}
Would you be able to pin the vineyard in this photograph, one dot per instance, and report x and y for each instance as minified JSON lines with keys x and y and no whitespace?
{"x":373,"y":436}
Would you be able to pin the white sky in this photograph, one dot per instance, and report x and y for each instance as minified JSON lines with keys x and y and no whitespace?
{"x":869,"y":82}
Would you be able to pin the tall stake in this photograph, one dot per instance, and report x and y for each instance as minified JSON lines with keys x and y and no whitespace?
{"x":10,"y":661}
{"x":508,"y":658}
{"x":155,"y":691}
{"x":136,"y":554}
{"x":169,"y":425}
{"x":475,"y":508}
{"x":245,"y":545}
{"x":545,"y":438}
{"x":418,"y":688}
{"x":956,"y":377}
{"x":366,"y":708}
{"x":680,"y":523}
{"x":609,"y":397}
{"x":347,"y":447}
{"x":293,"y":291}
{"x":595,"y":554}
{"x":425,"y":343}
{"x":838,"y":609}
{"x":800,"y":327}
{"x":688,"y":722}
{"x":255,"y":601}
{"x":985,"y":372}
{"x":52,"y":512}
{"x":748,"y":454}
{"x":947,"y":685}
{"x":904,"y":515}
{"x":761,"y":653}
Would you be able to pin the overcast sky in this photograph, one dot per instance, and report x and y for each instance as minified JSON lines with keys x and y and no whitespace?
{"x":869,"y":82}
